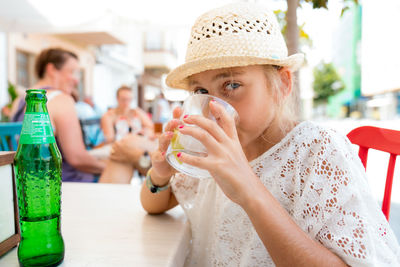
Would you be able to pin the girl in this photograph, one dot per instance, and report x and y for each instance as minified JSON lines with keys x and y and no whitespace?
{"x":283,"y":192}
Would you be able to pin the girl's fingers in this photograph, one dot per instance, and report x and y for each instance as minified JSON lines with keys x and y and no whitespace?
{"x":172,"y":124}
{"x":200,"y":162}
{"x":201,"y":135}
{"x":177,"y":112}
{"x":206,"y":124}
{"x":223,"y":118}
{"x":157,"y":157}
{"x":164,"y":141}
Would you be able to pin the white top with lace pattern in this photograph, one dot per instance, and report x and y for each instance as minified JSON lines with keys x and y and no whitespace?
{"x":318,"y":178}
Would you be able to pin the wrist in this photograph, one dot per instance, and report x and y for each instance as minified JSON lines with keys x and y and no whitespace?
{"x":153,"y":187}
{"x":158,"y":180}
{"x":255,"y":195}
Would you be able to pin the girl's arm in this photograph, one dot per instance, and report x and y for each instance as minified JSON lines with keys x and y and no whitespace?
{"x":107,"y":127}
{"x":161,"y":173}
{"x":69,"y":135}
{"x":156,"y":203}
{"x":287,"y":244}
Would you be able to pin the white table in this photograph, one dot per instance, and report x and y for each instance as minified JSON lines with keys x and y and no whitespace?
{"x":105,"y":225}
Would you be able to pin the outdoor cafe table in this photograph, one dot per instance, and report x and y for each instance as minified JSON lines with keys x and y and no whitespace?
{"x":105,"y":225}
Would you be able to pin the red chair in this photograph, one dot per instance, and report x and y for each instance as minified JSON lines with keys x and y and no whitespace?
{"x":380,"y":139}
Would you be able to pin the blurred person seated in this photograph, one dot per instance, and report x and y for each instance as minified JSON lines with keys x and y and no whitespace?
{"x":130,"y":153}
{"x":89,"y":100}
{"x":161,"y":111}
{"x":58,"y":73}
{"x":118,"y":122}
{"x":89,"y":117}
{"x":86,"y":111}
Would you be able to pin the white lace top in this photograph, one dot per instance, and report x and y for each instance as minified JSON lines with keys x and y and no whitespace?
{"x":316,"y":176}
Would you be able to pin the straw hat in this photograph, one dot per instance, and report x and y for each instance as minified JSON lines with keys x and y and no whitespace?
{"x":239,"y":34}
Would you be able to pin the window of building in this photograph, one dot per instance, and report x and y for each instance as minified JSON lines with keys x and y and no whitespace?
{"x":81,"y":84}
{"x":25,"y":69}
{"x":154,"y":41}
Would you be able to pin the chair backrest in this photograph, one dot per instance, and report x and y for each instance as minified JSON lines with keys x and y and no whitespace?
{"x":380,"y":139}
{"x":9,"y":133}
{"x":91,"y":131}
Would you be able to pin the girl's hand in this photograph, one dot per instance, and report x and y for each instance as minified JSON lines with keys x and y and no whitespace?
{"x":226,"y":160}
{"x":161,"y":170}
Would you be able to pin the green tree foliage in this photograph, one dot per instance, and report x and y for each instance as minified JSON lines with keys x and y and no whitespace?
{"x":6,"y":110}
{"x":304,"y":38}
{"x":327,"y":82}
{"x":324,"y":4}
{"x":12,"y":92}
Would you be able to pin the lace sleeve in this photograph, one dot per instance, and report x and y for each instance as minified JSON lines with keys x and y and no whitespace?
{"x":185,"y":189}
{"x":336,"y":207}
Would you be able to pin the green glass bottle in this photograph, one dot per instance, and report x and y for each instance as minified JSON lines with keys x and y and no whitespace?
{"x":38,"y":178}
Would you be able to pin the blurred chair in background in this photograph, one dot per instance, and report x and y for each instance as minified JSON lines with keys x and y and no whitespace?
{"x":9,"y":133}
{"x":89,"y":118}
{"x":383,"y":140}
{"x":91,"y":132}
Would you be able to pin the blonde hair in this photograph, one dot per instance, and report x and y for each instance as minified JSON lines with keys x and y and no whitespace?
{"x":284,"y":100}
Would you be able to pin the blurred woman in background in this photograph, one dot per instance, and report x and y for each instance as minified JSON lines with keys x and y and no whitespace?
{"x":118,"y":122}
{"x":58,"y":73}
{"x":132,"y":134}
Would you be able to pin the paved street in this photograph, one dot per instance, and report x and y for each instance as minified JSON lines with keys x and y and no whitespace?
{"x":376,"y":165}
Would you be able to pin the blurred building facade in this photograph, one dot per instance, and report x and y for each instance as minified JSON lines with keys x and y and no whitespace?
{"x":347,"y":60}
{"x":22,"y":50}
{"x":133,"y":54}
{"x":367,"y":57}
{"x":160,"y":55}
{"x":380,"y":82}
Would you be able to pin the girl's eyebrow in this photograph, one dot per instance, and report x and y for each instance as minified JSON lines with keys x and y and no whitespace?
{"x":193,"y":82}
{"x":226,"y":74}
{"x":221,"y":75}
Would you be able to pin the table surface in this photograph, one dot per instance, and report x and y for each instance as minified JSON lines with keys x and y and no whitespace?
{"x":105,"y":225}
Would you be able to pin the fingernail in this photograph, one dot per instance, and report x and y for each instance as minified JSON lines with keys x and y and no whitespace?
{"x":163,"y":153}
{"x":185,"y":116}
{"x":179,"y":154}
{"x":181,"y":126}
{"x":213,"y":100}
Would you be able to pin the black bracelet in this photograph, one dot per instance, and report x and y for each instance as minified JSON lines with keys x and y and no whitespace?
{"x":154,"y":188}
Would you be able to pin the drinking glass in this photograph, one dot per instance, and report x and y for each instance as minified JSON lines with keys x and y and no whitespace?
{"x":196,"y":104}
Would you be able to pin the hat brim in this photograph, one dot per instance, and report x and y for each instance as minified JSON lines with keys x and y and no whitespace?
{"x":178,"y":78}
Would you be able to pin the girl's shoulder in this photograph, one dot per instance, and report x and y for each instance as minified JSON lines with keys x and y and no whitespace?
{"x":312,"y":132}
{"x":312,"y":140}
{"x":305,"y":136}
{"x":322,"y":134}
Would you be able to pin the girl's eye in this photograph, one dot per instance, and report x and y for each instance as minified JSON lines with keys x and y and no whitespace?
{"x":232,"y":86}
{"x":201,"y":91}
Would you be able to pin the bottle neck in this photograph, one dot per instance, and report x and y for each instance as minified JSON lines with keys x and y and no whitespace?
{"x":36,"y":128}
{"x":36,"y":102}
